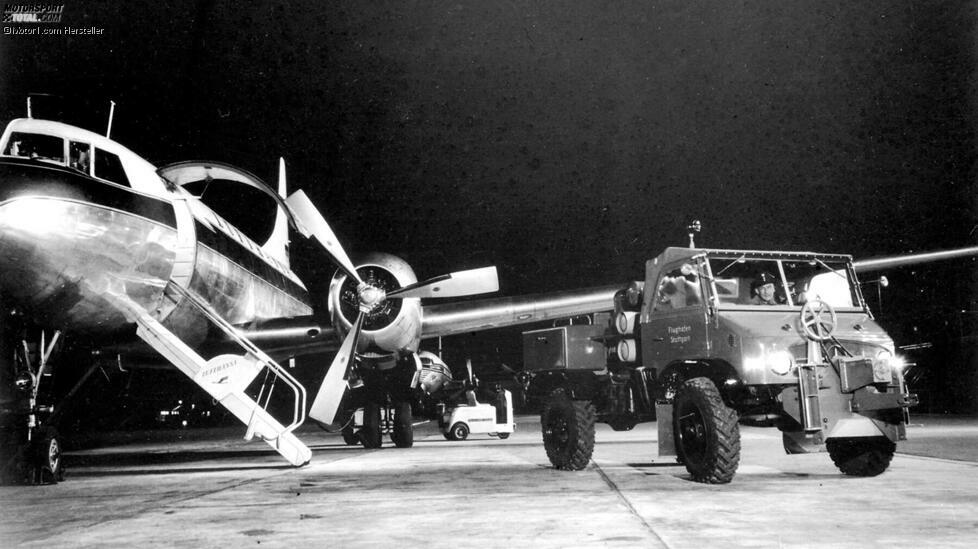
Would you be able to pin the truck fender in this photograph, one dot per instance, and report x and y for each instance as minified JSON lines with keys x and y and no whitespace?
{"x":856,"y":427}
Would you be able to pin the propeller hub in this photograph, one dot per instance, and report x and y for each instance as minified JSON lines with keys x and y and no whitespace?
{"x":370,"y":297}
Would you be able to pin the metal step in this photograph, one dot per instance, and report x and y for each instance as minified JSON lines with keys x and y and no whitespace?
{"x":226,"y":377}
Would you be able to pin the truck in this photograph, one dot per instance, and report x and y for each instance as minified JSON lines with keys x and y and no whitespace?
{"x":704,"y":344}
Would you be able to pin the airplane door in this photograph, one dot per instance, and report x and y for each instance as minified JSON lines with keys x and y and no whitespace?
{"x":185,"y":250}
{"x":677,"y":326}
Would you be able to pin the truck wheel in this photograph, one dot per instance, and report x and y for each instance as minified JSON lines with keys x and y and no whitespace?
{"x":403,"y":432}
{"x":861,"y":456}
{"x":46,"y":462}
{"x":370,"y":432}
{"x":568,"y":431}
{"x":707,"y":434}
{"x":459,"y":431}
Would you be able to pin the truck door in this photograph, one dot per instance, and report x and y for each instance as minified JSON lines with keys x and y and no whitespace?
{"x":677,"y":325}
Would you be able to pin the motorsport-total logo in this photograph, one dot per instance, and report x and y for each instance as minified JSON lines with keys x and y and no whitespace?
{"x":33,"y":13}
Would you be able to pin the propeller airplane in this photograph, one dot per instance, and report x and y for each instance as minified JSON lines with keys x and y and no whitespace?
{"x":99,"y":245}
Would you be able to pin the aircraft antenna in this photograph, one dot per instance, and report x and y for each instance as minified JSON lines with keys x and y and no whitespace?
{"x":29,"y":114}
{"x":694,"y":227}
{"x":108,"y":130}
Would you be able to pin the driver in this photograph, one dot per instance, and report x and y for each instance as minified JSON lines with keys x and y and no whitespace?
{"x":764,"y":290}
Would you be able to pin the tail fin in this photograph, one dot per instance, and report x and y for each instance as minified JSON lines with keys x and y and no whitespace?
{"x":277,"y":245}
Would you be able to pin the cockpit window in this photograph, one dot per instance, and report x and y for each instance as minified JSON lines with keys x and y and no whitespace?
{"x":109,"y":167}
{"x":36,"y":146}
{"x":80,"y":156}
{"x":781,"y":282}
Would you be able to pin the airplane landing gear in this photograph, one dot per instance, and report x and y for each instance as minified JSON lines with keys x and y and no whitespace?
{"x":402,"y":430}
{"x":370,"y":433}
{"x":30,"y":450}
{"x":45,"y":465}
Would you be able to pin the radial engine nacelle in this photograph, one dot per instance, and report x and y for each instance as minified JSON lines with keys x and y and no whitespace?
{"x":392,"y":325}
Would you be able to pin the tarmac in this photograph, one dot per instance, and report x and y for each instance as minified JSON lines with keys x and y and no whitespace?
{"x":208,"y":488}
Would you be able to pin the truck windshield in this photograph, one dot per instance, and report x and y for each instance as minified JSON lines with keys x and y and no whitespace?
{"x":743,"y":281}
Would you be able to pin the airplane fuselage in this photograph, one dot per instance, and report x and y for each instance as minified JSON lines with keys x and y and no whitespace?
{"x":73,"y":243}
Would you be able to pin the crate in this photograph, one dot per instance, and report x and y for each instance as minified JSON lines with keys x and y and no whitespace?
{"x":566,"y":347}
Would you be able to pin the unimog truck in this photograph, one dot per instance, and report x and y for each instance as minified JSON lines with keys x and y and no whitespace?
{"x":697,"y":349}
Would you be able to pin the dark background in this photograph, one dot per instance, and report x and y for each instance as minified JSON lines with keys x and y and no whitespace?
{"x":567,"y":142}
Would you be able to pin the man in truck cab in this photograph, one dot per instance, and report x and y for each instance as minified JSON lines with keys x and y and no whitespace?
{"x":764,"y":290}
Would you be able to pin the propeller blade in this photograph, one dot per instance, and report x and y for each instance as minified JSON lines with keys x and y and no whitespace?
{"x":475,"y":281}
{"x":311,"y":223}
{"x":331,"y":392}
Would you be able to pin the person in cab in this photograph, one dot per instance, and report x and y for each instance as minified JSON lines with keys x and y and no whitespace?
{"x":764,"y":290}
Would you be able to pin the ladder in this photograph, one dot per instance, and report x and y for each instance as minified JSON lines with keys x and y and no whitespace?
{"x":226,"y":377}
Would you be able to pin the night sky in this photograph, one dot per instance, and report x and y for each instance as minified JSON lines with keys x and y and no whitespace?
{"x":564,"y":142}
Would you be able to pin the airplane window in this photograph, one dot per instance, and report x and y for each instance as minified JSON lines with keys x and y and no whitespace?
{"x":36,"y":146}
{"x":109,"y":167}
{"x":80,"y":155}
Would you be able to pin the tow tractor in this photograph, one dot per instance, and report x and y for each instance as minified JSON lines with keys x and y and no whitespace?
{"x":458,"y":421}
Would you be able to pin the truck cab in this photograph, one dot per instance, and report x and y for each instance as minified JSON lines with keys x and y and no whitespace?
{"x":704,"y":306}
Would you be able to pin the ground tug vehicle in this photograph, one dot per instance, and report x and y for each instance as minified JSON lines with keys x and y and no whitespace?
{"x":692,"y":348}
{"x":458,"y":421}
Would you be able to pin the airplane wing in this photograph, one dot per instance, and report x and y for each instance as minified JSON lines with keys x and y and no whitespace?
{"x":890,"y":262}
{"x":486,"y":314}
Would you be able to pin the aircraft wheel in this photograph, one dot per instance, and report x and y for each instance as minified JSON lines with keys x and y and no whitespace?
{"x":568,"y":431}
{"x":861,"y":456}
{"x":503,"y":436}
{"x":46,"y":460}
{"x":370,"y":435}
{"x":403,"y":432}
{"x":350,"y":438}
{"x":707,"y":434}
{"x":459,"y":431}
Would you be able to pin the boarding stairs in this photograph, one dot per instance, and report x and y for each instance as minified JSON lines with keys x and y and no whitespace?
{"x":226,"y":377}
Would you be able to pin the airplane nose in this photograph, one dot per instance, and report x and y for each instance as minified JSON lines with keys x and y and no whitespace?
{"x":63,"y":258}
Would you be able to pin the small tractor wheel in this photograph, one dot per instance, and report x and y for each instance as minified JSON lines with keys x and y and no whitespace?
{"x":502,"y":436}
{"x":403,"y":432}
{"x":448,"y":436}
{"x":568,"y":431}
{"x":459,"y":431}
{"x":46,"y":461}
{"x":620,"y":423}
{"x":370,"y":435}
{"x":707,"y":434}
{"x":861,"y":456}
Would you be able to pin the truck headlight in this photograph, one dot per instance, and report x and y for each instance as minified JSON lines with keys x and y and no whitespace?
{"x":885,"y":364}
{"x":780,"y":362}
